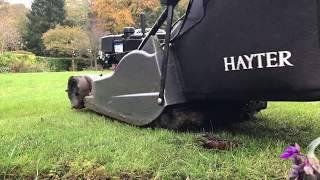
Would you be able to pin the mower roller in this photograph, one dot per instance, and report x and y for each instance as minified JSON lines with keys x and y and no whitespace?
{"x":221,"y":62}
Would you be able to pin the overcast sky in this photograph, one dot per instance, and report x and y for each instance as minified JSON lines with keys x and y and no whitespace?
{"x":27,"y":3}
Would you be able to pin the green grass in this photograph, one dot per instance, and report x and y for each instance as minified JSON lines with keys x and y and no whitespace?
{"x":41,"y":136}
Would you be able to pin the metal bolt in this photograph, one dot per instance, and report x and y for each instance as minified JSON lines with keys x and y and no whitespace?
{"x":160,"y":101}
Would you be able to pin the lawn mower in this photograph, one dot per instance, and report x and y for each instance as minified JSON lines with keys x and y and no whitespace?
{"x":220,"y":63}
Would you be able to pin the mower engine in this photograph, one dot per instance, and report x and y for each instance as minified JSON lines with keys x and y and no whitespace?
{"x":115,"y":47}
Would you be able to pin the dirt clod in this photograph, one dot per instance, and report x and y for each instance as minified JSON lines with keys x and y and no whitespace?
{"x":210,"y":141}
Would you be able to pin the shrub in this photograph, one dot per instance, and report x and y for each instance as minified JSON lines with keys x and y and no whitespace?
{"x":59,"y":64}
{"x":82,"y":64}
{"x":25,"y":66}
{"x":65,"y":63}
{"x":26,"y":62}
{"x":23,"y":52}
{"x":6,"y":59}
{"x":5,"y":69}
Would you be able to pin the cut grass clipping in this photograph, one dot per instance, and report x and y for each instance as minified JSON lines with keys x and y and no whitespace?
{"x":41,"y":137}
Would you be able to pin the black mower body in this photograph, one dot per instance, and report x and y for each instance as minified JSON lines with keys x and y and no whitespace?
{"x":249,"y":49}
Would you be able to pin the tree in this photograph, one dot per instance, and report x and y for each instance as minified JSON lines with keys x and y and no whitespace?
{"x":116,"y":14}
{"x":64,"y":41}
{"x":181,"y":8}
{"x":70,"y":41}
{"x":10,"y":38}
{"x":44,"y":15}
{"x":77,"y":13}
{"x":11,"y":26}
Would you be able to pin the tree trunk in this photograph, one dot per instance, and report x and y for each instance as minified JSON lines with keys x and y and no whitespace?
{"x":95,"y":62}
{"x":91,"y":62}
{"x":73,"y":64}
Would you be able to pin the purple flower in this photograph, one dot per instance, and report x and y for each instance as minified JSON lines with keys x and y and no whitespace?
{"x":308,"y":170}
{"x":290,"y":152}
{"x":296,"y":171}
{"x":313,"y":162}
{"x":304,"y":166}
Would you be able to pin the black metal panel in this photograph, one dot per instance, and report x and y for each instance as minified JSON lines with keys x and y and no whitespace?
{"x":107,"y":43}
{"x":131,"y":44}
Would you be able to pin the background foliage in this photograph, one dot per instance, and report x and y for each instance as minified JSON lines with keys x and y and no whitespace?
{"x":116,"y":14}
{"x":77,"y":13}
{"x":44,"y":15}
{"x":57,"y":28}
{"x":12,"y":26}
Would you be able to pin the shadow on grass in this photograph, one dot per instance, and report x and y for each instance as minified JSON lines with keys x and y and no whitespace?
{"x":265,"y":128}
{"x":262,"y":128}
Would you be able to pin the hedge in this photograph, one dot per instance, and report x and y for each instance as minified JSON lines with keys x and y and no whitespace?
{"x":65,"y":63}
{"x":22,"y":61}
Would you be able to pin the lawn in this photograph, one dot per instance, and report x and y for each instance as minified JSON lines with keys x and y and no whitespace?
{"x":42,"y":137}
